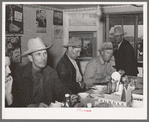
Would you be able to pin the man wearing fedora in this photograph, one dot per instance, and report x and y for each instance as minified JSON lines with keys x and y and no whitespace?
{"x":36,"y":83}
{"x":124,"y":55}
{"x":68,"y":68}
{"x":99,"y":69}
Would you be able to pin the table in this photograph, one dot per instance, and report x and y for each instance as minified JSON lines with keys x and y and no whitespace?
{"x":138,"y":90}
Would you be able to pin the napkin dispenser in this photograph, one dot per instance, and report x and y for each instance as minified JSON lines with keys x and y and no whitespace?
{"x":123,"y":99}
{"x":115,"y":79}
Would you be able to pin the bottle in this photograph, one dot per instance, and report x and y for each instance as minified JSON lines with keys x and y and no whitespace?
{"x":67,"y":101}
{"x":109,"y":87}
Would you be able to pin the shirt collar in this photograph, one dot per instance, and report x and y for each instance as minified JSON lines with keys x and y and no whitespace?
{"x":120,"y":44}
{"x":72,"y":60}
{"x":101,"y":60}
{"x":34,"y":72}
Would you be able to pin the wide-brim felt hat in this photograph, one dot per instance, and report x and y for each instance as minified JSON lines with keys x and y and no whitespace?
{"x":117,"y":31}
{"x":34,"y":45}
{"x":107,"y":46}
{"x":74,"y":42}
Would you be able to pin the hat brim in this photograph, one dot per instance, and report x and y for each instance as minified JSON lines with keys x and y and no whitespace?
{"x":106,"y":49}
{"x":112,"y":34}
{"x":35,"y":50}
{"x":70,"y":45}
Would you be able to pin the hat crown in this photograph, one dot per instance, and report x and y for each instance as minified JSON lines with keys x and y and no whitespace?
{"x":118,"y":31}
{"x":75,"y":42}
{"x":107,"y":45}
{"x":35,"y":43}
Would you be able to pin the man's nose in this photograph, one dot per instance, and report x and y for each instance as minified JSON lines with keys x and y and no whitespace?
{"x":78,"y":54}
{"x":43,"y":57}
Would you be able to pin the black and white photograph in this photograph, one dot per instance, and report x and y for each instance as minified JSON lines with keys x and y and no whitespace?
{"x":41,"y":21}
{"x":13,"y":48}
{"x":74,"y":60}
{"x":57,"y":17}
{"x":14,"y":18}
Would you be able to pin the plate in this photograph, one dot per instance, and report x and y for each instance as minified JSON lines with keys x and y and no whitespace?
{"x":96,"y":95}
{"x":99,"y":87}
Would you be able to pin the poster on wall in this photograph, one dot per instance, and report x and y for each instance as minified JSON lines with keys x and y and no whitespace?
{"x":13,"y":48}
{"x":40,"y":21}
{"x":58,"y":32}
{"x":14,"y":19}
{"x":87,"y":50}
{"x":57,"y":17}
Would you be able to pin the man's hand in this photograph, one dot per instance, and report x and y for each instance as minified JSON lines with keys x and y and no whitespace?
{"x":74,"y":99}
{"x":78,"y":105}
{"x":108,"y":78}
{"x":8,"y":85}
{"x":40,"y":105}
{"x":82,"y":84}
{"x":122,"y":72}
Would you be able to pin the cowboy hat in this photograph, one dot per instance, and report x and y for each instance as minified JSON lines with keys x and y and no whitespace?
{"x":118,"y":31}
{"x":106,"y":46}
{"x":34,"y":45}
{"x":74,"y":42}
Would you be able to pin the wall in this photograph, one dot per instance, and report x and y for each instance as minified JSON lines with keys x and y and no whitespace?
{"x":29,"y":17}
{"x":83,"y":21}
{"x":72,"y":21}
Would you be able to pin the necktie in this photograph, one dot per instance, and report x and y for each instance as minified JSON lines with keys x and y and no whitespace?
{"x":37,"y":88}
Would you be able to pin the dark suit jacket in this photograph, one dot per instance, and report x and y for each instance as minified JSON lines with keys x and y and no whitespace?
{"x":67,"y":74}
{"x":125,"y":59}
{"x":23,"y":86}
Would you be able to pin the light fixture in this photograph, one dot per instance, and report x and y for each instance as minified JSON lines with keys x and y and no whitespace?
{"x":98,"y":13}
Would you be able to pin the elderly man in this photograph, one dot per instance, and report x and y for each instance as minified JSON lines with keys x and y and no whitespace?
{"x":124,"y":55}
{"x":67,"y":68}
{"x":99,"y":69}
{"x":36,"y":83}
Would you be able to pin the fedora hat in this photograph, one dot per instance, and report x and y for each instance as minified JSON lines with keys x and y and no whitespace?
{"x":74,"y":42}
{"x":34,"y":45}
{"x":106,"y":46}
{"x":118,"y":31}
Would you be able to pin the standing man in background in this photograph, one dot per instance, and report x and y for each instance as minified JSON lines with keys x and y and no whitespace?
{"x":125,"y":54}
{"x":67,"y":68}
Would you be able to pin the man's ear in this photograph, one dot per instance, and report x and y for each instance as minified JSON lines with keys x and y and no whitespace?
{"x":101,"y":52}
{"x":30,"y":58}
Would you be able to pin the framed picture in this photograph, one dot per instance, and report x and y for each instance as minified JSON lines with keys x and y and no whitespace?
{"x":40,"y":21}
{"x":57,"y":17}
{"x":14,"y":19}
{"x":13,"y":48}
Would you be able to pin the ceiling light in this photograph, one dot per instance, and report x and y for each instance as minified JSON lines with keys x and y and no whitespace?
{"x":98,"y":13}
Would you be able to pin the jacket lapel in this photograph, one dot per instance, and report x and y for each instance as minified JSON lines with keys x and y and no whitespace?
{"x":27,"y":84}
{"x":121,"y":46}
{"x":69,"y":63}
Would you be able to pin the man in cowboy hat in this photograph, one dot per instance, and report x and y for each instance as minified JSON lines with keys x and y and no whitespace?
{"x":68,"y":69}
{"x":124,"y":55}
{"x":36,"y":83}
{"x":99,"y":69}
